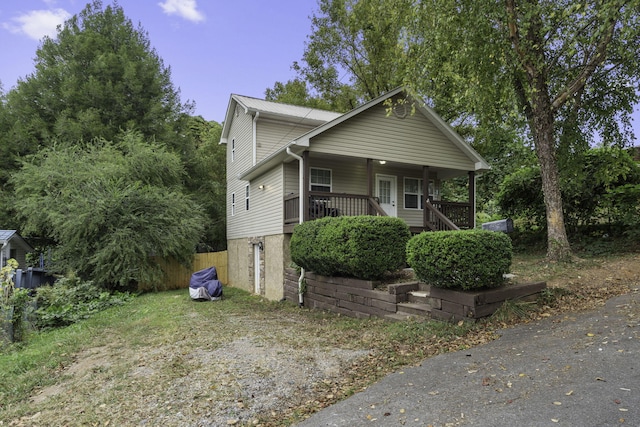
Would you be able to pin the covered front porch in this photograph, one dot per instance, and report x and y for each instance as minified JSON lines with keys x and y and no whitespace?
{"x":383,"y":195}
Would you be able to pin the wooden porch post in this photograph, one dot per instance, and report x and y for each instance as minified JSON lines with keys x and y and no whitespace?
{"x":370,"y":182}
{"x":472,"y":199}
{"x":304,"y":191}
{"x":425,"y":195}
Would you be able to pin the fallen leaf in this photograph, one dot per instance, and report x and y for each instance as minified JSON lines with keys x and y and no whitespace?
{"x":557,"y":403}
{"x":622,"y":409}
{"x":591,"y":335}
{"x":569,"y":393}
{"x":554,"y":420}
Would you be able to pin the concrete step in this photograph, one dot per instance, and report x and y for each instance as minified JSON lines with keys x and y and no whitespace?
{"x":398,"y":317}
{"x":413,"y":309}
{"x":423,"y":286}
{"x":419,"y":297}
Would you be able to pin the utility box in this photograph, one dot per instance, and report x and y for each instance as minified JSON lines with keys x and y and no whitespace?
{"x":504,"y":225}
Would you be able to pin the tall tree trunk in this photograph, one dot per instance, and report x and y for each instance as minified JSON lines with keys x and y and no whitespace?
{"x":558,"y":248}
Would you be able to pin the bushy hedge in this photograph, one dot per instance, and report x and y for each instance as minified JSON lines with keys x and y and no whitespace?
{"x":468,"y":259}
{"x":364,"y":247}
{"x":71,"y":300}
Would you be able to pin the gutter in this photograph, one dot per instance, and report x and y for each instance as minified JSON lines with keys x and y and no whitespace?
{"x":255,"y":136}
{"x":300,"y":216}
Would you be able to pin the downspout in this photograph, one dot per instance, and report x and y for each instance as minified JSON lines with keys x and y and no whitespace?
{"x":300,"y":215}
{"x":255,"y":136}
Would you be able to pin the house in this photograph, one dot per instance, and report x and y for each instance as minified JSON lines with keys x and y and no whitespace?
{"x":13,"y":246}
{"x":287,"y":164}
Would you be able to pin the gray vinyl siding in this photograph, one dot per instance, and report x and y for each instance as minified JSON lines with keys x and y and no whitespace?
{"x":347,"y":175}
{"x":412,"y":140}
{"x":242,"y":130}
{"x":291,"y":177}
{"x":266,"y":216}
{"x":272,"y":135}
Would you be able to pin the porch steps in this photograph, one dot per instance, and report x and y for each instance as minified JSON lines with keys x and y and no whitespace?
{"x":413,"y":309}
{"x":418,"y":304}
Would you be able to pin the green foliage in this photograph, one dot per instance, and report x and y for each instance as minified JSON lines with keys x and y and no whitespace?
{"x":70,"y":300}
{"x":97,"y":77}
{"x":296,"y":92}
{"x":468,"y":259}
{"x":204,"y":161}
{"x":625,"y":202}
{"x":362,"y":38}
{"x":100,"y":77}
{"x":13,"y":304}
{"x":520,"y":195}
{"x":364,"y":247}
{"x":110,"y":207}
{"x":597,"y":188}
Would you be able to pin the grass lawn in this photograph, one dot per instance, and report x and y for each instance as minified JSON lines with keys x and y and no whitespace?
{"x":150,"y":360}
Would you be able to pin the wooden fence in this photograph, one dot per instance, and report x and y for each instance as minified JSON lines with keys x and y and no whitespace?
{"x":177,"y":276}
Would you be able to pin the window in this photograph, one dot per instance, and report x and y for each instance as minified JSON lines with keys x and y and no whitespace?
{"x":246,"y":197}
{"x":233,"y":149}
{"x":413,"y":193}
{"x":233,"y":204}
{"x":320,"y":180}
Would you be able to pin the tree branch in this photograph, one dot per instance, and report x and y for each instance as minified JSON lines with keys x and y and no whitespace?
{"x":588,"y":69}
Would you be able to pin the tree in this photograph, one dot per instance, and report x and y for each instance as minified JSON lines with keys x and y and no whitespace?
{"x":296,"y":92}
{"x":589,"y":190}
{"x":99,"y":76}
{"x":205,"y":164}
{"x":110,"y":207}
{"x":354,"y":53}
{"x":564,"y":66}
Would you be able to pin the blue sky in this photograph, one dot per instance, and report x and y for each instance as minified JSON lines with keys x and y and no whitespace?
{"x":214,"y":47}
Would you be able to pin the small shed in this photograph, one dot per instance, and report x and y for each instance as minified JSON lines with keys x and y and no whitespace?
{"x":13,"y":246}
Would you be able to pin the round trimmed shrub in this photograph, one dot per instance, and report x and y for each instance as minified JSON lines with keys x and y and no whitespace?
{"x":467,"y":259}
{"x":364,"y":247}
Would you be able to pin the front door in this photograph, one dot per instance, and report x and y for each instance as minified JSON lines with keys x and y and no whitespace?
{"x":386,"y":189}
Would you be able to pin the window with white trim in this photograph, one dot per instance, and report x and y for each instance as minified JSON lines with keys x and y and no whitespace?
{"x":413,"y":193}
{"x":320,"y":179}
{"x":233,"y":149}
{"x":246,"y":197}
{"x":233,"y":204}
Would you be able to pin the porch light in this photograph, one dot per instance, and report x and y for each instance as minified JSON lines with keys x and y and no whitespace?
{"x":261,"y":187}
{"x":383,"y":162}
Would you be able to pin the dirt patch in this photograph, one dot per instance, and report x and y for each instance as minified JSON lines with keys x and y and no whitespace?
{"x":275,"y":365}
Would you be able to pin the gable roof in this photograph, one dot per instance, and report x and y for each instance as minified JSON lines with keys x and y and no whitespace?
{"x":12,"y":235}
{"x":297,"y":145}
{"x":275,"y":110}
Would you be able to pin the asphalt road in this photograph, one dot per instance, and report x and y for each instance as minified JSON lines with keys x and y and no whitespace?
{"x":578,"y":370}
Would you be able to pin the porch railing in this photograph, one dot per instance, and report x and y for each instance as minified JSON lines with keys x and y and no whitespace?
{"x":441,"y":215}
{"x":437,"y":220}
{"x":323,"y":204}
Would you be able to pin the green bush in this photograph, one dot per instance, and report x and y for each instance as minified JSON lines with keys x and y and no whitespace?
{"x":364,"y":246}
{"x":71,"y":300}
{"x":469,"y":259}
